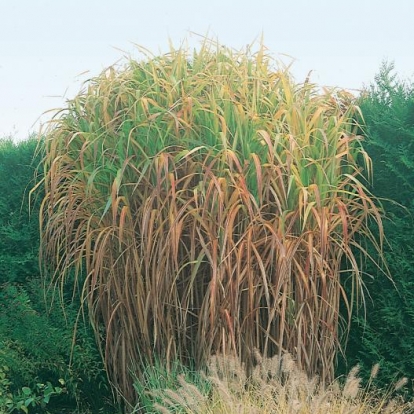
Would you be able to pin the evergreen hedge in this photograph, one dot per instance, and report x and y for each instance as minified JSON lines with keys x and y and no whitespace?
{"x":36,"y":335}
{"x":387,"y":335}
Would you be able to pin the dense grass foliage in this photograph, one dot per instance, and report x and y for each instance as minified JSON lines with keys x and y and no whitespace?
{"x":206,"y":203}
{"x":388,"y":336}
{"x":36,"y":335}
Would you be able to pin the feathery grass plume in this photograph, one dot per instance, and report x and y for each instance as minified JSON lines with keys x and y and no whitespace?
{"x":158,"y":383}
{"x":207,"y":203}
{"x":266,"y":393}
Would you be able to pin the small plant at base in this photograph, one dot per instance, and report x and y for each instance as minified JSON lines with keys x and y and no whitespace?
{"x":28,"y":397}
{"x":278,"y":386}
{"x":156,"y":379}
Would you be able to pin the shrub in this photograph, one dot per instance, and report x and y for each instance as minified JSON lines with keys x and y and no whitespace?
{"x":36,"y":335}
{"x":386,"y":336}
{"x":36,"y":346}
{"x":38,"y":397}
{"x":19,"y":233}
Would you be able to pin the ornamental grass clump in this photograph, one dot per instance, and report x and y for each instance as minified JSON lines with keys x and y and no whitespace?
{"x":278,"y":386}
{"x":207,"y":203}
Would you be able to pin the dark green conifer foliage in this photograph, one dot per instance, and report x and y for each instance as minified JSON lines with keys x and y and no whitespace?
{"x":387,"y":336}
{"x":19,"y":234}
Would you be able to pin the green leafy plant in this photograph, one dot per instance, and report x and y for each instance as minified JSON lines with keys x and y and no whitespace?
{"x":206,"y":203}
{"x":38,"y":347}
{"x":38,"y":396}
{"x":6,"y":398}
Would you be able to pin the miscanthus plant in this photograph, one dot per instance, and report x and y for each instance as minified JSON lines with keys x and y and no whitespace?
{"x":207,"y":203}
